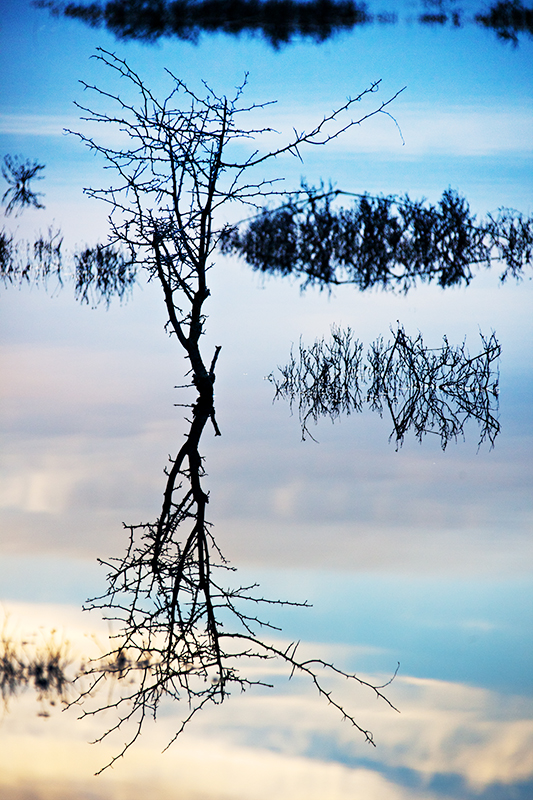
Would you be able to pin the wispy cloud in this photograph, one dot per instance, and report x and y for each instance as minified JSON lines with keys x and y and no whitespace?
{"x":456,"y":130}
{"x":51,"y":768}
{"x":34,"y":124}
{"x":411,"y":130}
{"x":54,"y":125}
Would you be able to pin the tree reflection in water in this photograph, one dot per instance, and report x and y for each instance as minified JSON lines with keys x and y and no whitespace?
{"x":186,"y":627}
{"x":46,"y":667}
{"x":386,"y":242}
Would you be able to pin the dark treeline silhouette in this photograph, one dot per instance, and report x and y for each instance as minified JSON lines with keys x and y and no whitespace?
{"x":429,"y":391}
{"x":385,"y":242}
{"x":277,"y":21}
{"x":508,"y":18}
{"x":388,"y":242}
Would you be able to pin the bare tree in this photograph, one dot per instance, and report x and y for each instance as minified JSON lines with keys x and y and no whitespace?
{"x":185,"y":628}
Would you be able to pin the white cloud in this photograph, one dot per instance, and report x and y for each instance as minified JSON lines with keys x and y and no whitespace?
{"x":88,"y":432}
{"x":50,"y":125}
{"x":89,"y":419}
{"x":465,"y":131}
{"x":196,"y":770}
{"x":255,"y":747}
{"x":39,"y":491}
{"x":32,"y":124}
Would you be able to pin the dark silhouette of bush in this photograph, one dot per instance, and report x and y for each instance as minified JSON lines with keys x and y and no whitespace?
{"x":277,"y":21}
{"x":390,"y":242}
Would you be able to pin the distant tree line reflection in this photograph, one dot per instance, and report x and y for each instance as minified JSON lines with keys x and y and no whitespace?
{"x":388,"y":242}
{"x":98,"y":273}
{"x":43,"y":666}
{"x":277,"y":21}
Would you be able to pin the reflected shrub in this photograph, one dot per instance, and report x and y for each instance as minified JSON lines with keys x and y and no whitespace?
{"x":423,"y":390}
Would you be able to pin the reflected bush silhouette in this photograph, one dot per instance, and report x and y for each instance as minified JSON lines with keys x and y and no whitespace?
{"x":427,"y":391}
{"x":44,"y":667}
{"x":99,"y":273}
{"x":277,"y":21}
{"x":508,"y":18}
{"x":389,"y":242}
{"x":386,"y":242}
{"x":18,"y":174}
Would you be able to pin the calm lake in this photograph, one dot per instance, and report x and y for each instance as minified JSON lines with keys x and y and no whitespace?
{"x":412,"y":555}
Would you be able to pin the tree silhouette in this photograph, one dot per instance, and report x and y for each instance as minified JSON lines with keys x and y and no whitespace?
{"x":185,"y":627}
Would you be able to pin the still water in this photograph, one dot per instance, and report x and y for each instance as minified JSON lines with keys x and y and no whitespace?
{"x":416,"y":556}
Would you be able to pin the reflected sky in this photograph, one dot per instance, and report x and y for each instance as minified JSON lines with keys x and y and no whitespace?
{"x":416,"y":556}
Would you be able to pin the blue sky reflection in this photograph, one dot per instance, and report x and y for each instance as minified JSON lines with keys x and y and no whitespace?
{"x":419,"y":556}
